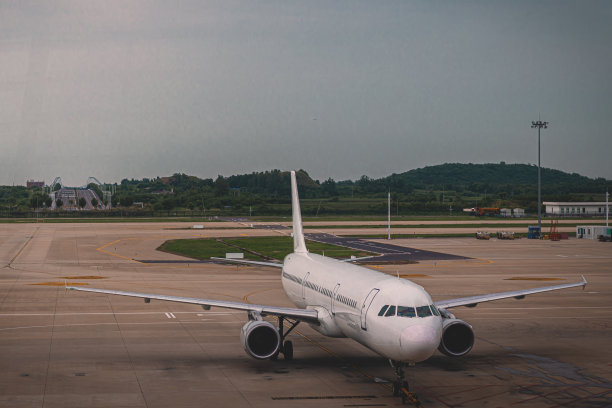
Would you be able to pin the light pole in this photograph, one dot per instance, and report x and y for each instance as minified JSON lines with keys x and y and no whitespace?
{"x":539,"y":124}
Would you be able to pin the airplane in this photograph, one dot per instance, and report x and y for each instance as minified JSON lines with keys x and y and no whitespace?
{"x":395,"y":318}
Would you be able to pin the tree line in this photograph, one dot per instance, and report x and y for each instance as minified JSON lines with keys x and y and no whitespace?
{"x":428,"y":190}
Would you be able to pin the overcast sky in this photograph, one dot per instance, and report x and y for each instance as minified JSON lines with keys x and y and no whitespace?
{"x":133,"y":89}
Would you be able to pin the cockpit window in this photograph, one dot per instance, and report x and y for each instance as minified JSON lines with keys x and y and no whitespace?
{"x":435,"y":310}
{"x":423,"y":311}
{"x":383,"y":310}
{"x":406,"y":311}
{"x":390,"y":311}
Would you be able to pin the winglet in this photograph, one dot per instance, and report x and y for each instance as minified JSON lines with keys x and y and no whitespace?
{"x":299,"y":245}
{"x":584,"y":282}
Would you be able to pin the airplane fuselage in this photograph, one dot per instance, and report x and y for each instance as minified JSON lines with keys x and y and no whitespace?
{"x":393,"y":317}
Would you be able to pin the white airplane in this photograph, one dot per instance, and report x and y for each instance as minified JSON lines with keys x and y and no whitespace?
{"x":394,"y":317}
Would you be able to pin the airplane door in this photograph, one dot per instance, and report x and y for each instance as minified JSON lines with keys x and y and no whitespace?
{"x":366,"y":306}
{"x":304,"y":285}
{"x":333,"y":299}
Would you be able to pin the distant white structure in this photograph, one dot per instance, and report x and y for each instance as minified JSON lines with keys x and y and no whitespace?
{"x":506,"y":212}
{"x":592,"y":231}
{"x":519,"y":212}
{"x":575,"y":209}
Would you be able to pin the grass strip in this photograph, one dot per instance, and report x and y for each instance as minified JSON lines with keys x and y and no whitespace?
{"x":268,"y":247}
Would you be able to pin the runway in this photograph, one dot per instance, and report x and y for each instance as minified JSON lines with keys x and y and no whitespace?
{"x":70,"y":349}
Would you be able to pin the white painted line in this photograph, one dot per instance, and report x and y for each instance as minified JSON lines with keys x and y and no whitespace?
{"x":170,"y":316}
{"x":110,"y":324}
{"x":110,"y":313}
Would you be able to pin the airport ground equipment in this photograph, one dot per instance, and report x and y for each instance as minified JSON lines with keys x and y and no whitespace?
{"x":554,"y":232}
{"x":533,"y":232}
{"x":483,"y":235}
{"x":505,"y":235}
{"x":482,"y":211}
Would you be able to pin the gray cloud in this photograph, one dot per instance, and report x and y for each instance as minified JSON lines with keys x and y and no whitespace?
{"x":146,"y":88}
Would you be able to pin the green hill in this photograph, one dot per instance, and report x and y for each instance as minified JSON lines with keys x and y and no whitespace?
{"x":496,"y":177}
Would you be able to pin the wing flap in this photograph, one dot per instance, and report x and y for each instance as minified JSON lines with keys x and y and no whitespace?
{"x":305,"y":315}
{"x":472,"y":301}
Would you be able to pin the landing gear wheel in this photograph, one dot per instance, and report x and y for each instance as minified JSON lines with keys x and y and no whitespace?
{"x":288,"y":350}
{"x":396,"y":389}
{"x":399,"y":383}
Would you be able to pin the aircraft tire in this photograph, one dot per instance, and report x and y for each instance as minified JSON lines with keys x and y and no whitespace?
{"x":396,"y":389}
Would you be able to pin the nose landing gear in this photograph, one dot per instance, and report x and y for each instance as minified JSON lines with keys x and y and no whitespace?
{"x":400,"y":382}
{"x":400,"y":386}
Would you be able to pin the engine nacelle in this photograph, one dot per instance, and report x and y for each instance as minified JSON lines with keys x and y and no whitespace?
{"x":457,"y":338}
{"x":260,"y":339}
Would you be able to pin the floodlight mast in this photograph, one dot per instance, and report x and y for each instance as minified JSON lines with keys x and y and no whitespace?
{"x":539,"y":124}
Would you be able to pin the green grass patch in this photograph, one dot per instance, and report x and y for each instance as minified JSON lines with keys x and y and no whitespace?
{"x":254,"y":248}
{"x":198,"y":248}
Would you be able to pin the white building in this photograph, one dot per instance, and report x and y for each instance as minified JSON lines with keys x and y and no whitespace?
{"x":506,"y":212}
{"x":592,"y":231}
{"x":519,"y":212}
{"x":555,"y":208}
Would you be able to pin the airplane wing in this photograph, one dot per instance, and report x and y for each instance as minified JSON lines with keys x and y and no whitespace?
{"x":305,"y":315}
{"x":472,"y":301}
{"x":244,"y":261}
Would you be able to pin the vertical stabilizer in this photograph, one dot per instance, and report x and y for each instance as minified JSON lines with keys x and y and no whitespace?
{"x":299,"y":245}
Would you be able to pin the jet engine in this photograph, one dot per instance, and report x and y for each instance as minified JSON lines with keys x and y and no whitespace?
{"x":457,"y":338}
{"x":260,"y":339}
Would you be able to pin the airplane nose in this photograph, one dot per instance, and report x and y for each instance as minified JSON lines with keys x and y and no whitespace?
{"x":419,"y":342}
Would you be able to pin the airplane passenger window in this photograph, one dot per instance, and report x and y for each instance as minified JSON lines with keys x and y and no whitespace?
{"x":406,"y":311}
{"x":391,"y":311}
{"x":423,"y":311}
{"x":383,"y":310}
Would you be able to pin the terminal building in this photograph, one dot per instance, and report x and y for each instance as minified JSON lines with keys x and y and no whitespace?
{"x":575,"y":209}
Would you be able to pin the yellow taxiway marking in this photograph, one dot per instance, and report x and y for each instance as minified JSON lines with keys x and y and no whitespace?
{"x":82,"y":277}
{"x":101,"y":249}
{"x":59,"y":284}
{"x":451,"y":264}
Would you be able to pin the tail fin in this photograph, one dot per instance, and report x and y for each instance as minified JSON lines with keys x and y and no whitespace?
{"x":299,"y":245}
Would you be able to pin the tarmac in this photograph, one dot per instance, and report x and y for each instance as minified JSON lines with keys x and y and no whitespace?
{"x":63,"y":348}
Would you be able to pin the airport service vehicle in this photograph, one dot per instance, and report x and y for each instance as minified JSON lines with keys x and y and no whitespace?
{"x":477,"y":211}
{"x":394,"y":317}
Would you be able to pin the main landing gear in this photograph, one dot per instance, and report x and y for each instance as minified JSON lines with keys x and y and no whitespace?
{"x":286,"y":347}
